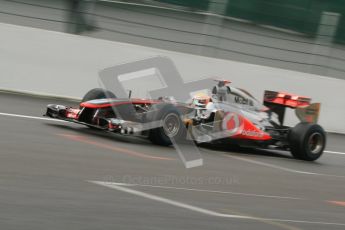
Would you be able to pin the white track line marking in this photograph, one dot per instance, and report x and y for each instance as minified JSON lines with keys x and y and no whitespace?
{"x":209,"y":191}
{"x":30,"y":117}
{"x":117,"y":186}
{"x":281,"y":168}
{"x":160,"y":199}
{"x":51,"y":119}
{"x":334,"y":152}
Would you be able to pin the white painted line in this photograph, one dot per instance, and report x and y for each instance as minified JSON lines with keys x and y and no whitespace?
{"x":120,"y":187}
{"x":30,"y":117}
{"x":334,"y":152}
{"x":210,"y":191}
{"x":160,"y":199}
{"x":275,"y":151}
{"x":281,"y":168}
{"x":51,"y":119}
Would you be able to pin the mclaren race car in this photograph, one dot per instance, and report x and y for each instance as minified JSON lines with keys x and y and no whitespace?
{"x":227,"y":115}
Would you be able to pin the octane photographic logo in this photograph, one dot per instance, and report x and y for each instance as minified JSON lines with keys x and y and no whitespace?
{"x":153,"y":78}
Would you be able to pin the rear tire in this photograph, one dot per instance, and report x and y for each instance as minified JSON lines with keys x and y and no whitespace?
{"x":173,"y":126}
{"x":307,"y":141}
{"x":97,"y":93}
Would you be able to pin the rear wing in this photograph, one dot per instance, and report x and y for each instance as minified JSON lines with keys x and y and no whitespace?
{"x":286,"y":99}
{"x":277,"y":102}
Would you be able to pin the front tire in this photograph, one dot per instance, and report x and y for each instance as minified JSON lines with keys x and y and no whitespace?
{"x":94,"y":94}
{"x":307,"y":141}
{"x":173,"y":126}
{"x":97,"y":93}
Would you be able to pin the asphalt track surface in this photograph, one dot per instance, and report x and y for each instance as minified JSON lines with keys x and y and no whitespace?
{"x":56,"y":175}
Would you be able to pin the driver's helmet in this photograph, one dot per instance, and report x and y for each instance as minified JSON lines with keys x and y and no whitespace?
{"x":201,"y":100}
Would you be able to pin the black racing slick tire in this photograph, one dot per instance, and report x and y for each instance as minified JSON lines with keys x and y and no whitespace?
{"x":307,"y":141}
{"x":97,"y":93}
{"x":94,"y":94}
{"x":173,"y":126}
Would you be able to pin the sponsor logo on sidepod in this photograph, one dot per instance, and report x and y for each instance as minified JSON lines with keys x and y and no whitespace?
{"x":251,"y":133}
{"x":231,"y":123}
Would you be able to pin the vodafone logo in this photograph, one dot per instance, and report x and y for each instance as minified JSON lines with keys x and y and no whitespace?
{"x":231,"y":123}
{"x":252,"y":133}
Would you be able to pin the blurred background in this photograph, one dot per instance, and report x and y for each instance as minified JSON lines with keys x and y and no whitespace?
{"x":302,"y":35}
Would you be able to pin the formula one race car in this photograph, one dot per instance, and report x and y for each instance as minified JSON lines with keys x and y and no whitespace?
{"x":227,"y":115}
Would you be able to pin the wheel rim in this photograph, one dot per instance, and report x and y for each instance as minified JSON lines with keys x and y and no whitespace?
{"x":315,"y":143}
{"x":171,"y":124}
